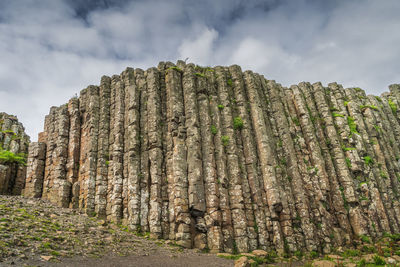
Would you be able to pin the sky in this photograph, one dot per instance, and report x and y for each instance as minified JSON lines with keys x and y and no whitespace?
{"x":51,"y":49}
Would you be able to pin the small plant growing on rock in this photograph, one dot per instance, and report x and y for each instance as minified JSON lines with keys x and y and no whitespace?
{"x":352,"y":125}
{"x":225,"y":140}
{"x":220,"y":107}
{"x":10,"y":157}
{"x":368,"y":160}
{"x":213,"y":129}
{"x":175,"y":68}
{"x":230,"y":82}
{"x":199,"y":74}
{"x":392,"y":106}
{"x":237,"y":123}
{"x":348,"y":163}
{"x":364,"y":107}
{"x":335,"y":115}
{"x":379,"y":261}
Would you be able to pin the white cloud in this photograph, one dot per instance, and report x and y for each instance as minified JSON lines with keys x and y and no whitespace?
{"x":49,"y":53}
{"x":200,"y":49}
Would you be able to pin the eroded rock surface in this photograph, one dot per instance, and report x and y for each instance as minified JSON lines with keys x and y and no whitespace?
{"x":13,"y":140}
{"x":220,"y":159}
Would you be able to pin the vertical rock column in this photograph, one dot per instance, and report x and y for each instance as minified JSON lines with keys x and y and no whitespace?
{"x":144,"y":175}
{"x":89,"y":110}
{"x":35,"y":170}
{"x":213,"y":217}
{"x":103,"y":154}
{"x":177,"y":163}
{"x":56,"y":187}
{"x":74,"y":150}
{"x":165,"y":225}
{"x":132,"y":148}
{"x":197,"y":200}
{"x":155,"y":151}
{"x":251,"y":163}
{"x":116,"y":166}
{"x":236,"y":200}
{"x":221,"y":167}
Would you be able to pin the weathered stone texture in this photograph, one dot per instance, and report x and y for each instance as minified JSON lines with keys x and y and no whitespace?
{"x":225,"y":160}
{"x":14,"y":140}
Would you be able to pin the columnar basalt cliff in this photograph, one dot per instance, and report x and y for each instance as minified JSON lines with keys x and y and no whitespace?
{"x":226,"y":160}
{"x":13,"y":148}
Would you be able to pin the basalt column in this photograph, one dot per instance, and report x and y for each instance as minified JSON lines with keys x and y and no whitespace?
{"x":220,"y":159}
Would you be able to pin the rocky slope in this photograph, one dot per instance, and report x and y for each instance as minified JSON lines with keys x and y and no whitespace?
{"x":33,"y":232}
{"x":225,"y":160}
{"x":13,"y":149}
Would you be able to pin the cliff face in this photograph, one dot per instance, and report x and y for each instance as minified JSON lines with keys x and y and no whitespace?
{"x":223,"y":159}
{"x":13,"y":148}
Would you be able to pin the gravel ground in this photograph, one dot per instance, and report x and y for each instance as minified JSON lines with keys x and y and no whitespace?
{"x":34,"y":232}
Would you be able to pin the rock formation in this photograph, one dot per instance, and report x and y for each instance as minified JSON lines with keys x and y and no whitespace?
{"x":225,"y":160}
{"x":13,"y":148}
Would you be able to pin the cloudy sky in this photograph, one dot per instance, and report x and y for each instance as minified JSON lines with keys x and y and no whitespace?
{"x":51,"y":49}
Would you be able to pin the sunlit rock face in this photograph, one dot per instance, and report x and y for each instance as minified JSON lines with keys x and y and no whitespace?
{"x":13,"y":148}
{"x":225,"y":160}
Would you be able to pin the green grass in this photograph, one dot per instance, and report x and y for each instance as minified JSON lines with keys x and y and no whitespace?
{"x":365,"y":239}
{"x":199,"y":74}
{"x":352,"y":125}
{"x":363,"y":107}
{"x":351,"y":253}
{"x":335,"y":115}
{"x":345,"y":149}
{"x":175,"y":68}
{"x":379,"y":261}
{"x":392,"y":106}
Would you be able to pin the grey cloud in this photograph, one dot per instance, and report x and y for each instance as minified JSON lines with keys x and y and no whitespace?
{"x":51,"y":49}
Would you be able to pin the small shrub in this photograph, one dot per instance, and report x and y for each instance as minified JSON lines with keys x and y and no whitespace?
{"x":313,"y":254}
{"x":368,"y":160}
{"x":10,"y":157}
{"x":237,"y":123}
{"x":365,"y":239}
{"x":225,"y":140}
{"x":230,"y":82}
{"x":199,"y":74}
{"x":392,"y":106}
{"x":378,"y":98}
{"x":213,"y":129}
{"x":220,"y":107}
